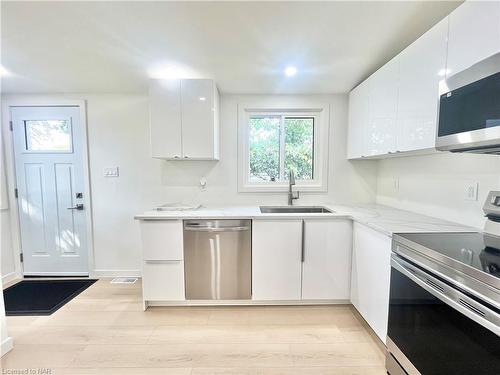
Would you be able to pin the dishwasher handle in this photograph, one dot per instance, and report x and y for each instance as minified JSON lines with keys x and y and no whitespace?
{"x":197,"y":228}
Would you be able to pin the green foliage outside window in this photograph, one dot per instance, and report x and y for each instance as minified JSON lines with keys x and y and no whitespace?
{"x":265,"y":151}
{"x":299,"y":147}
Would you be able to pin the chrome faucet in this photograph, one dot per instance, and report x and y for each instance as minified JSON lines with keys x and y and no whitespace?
{"x":292,"y":195}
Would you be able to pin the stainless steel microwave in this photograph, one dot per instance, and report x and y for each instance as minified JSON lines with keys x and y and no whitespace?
{"x":469,"y":110}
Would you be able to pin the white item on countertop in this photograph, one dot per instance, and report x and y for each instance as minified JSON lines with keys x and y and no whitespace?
{"x":177,"y":207}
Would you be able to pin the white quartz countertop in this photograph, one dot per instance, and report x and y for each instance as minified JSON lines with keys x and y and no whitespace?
{"x":384,"y":219}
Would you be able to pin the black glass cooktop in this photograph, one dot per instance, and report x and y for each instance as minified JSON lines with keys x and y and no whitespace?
{"x":477,"y":250}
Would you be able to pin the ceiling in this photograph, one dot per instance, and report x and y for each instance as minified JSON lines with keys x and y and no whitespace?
{"x":112,"y":47}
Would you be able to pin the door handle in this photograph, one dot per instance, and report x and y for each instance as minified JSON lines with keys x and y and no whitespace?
{"x":303,"y":250}
{"x":78,"y":206}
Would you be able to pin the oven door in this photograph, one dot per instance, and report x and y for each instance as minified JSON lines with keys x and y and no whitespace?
{"x":436,"y":329}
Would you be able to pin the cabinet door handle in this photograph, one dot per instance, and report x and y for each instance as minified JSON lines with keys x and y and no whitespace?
{"x":303,"y":251}
{"x":176,"y":156}
{"x":186,"y":157}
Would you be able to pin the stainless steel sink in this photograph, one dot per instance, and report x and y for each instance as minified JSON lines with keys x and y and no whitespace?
{"x":294,"y":210}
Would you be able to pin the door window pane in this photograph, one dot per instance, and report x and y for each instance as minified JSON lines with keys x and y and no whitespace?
{"x":48,"y":135}
{"x":299,"y":147}
{"x":264,"y":148}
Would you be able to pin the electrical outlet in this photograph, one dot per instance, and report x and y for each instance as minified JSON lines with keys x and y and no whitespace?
{"x":471,"y":190}
{"x":203,"y":184}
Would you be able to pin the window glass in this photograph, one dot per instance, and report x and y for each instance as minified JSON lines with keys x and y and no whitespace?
{"x":299,"y":147}
{"x":264,"y":148}
{"x":48,"y":135}
{"x":278,"y":144}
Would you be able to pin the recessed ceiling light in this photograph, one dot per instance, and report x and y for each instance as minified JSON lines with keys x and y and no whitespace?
{"x":202,"y":99}
{"x":170,"y":72}
{"x":290,"y":71}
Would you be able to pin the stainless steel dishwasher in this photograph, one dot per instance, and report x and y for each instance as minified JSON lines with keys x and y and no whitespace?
{"x":218,"y":259}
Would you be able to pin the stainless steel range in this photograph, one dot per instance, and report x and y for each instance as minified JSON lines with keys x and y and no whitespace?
{"x":444,"y":309}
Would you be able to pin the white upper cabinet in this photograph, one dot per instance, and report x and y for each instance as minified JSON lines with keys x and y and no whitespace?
{"x":165,"y":118}
{"x":184,"y":119}
{"x":359,"y":106}
{"x":421,"y":66}
{"x":383,"y":87}
{"x":474,"y":34}
{"x":200,"y":130}
{"x":400,"y":112}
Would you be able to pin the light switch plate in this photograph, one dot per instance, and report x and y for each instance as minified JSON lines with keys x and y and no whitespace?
{"x":471,"y":189}
{"x":111,"y":172}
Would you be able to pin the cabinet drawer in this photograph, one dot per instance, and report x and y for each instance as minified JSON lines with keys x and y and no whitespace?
{"x":163,"y":281}
{"x":162,"y":240}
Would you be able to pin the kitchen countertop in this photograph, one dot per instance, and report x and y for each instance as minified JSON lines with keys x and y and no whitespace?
{"x":385,"y":219}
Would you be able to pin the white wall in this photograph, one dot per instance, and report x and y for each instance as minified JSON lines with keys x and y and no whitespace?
{"x":434,"y":184}
{"x":5,"y":340}
{"x":119,"y":136}
{"x":8,"y":267}
{"x":7,"y":263}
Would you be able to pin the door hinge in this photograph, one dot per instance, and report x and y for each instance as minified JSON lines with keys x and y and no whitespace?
{"x":11,"y":126}
{"x":21,"y":258}
{"x":16,"y":193}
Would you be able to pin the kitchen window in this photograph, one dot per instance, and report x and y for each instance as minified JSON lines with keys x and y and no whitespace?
{"x":275,"y":142}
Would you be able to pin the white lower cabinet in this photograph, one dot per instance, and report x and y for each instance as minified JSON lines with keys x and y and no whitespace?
{"x":308,"y":259}
{"x":327,"y":259}
{"x":163,"y":265}
{"x":163,"y":281}
{"x":370,"y":277}
{"x":301,"y":259}
{"x":276,"y":259}
{"x":162,"y":240}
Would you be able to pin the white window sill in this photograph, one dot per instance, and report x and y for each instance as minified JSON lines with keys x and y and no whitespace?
{"x":281,"y":188}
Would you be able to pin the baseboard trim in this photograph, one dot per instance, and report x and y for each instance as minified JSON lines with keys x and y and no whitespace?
{"x":116,"y":273}
{"x":245,"y":303}
{"x":9,"y":277}
{"x":380,"y":344}
{"x":6,"y":346}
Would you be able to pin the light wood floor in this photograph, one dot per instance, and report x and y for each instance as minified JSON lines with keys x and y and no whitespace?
{"x":105,"y":331}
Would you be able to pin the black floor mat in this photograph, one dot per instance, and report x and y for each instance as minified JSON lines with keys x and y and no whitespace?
{"x":41,"y":297}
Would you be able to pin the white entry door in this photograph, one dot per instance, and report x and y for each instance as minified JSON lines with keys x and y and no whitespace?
{"x":48,"y":147}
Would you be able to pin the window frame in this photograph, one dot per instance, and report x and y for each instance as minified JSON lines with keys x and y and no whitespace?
{"x":320,"y":113}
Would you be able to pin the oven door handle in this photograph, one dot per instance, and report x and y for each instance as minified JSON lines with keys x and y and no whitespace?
{"x":452,"y":297}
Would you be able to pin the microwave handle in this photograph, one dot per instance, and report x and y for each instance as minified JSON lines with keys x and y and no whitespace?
{"x":468,"y":307}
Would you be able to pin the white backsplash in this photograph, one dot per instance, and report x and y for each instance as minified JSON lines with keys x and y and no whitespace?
{"x":436,"y":184}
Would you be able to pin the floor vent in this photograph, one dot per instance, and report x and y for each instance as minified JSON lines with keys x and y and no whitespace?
{"x":124,"y":280}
